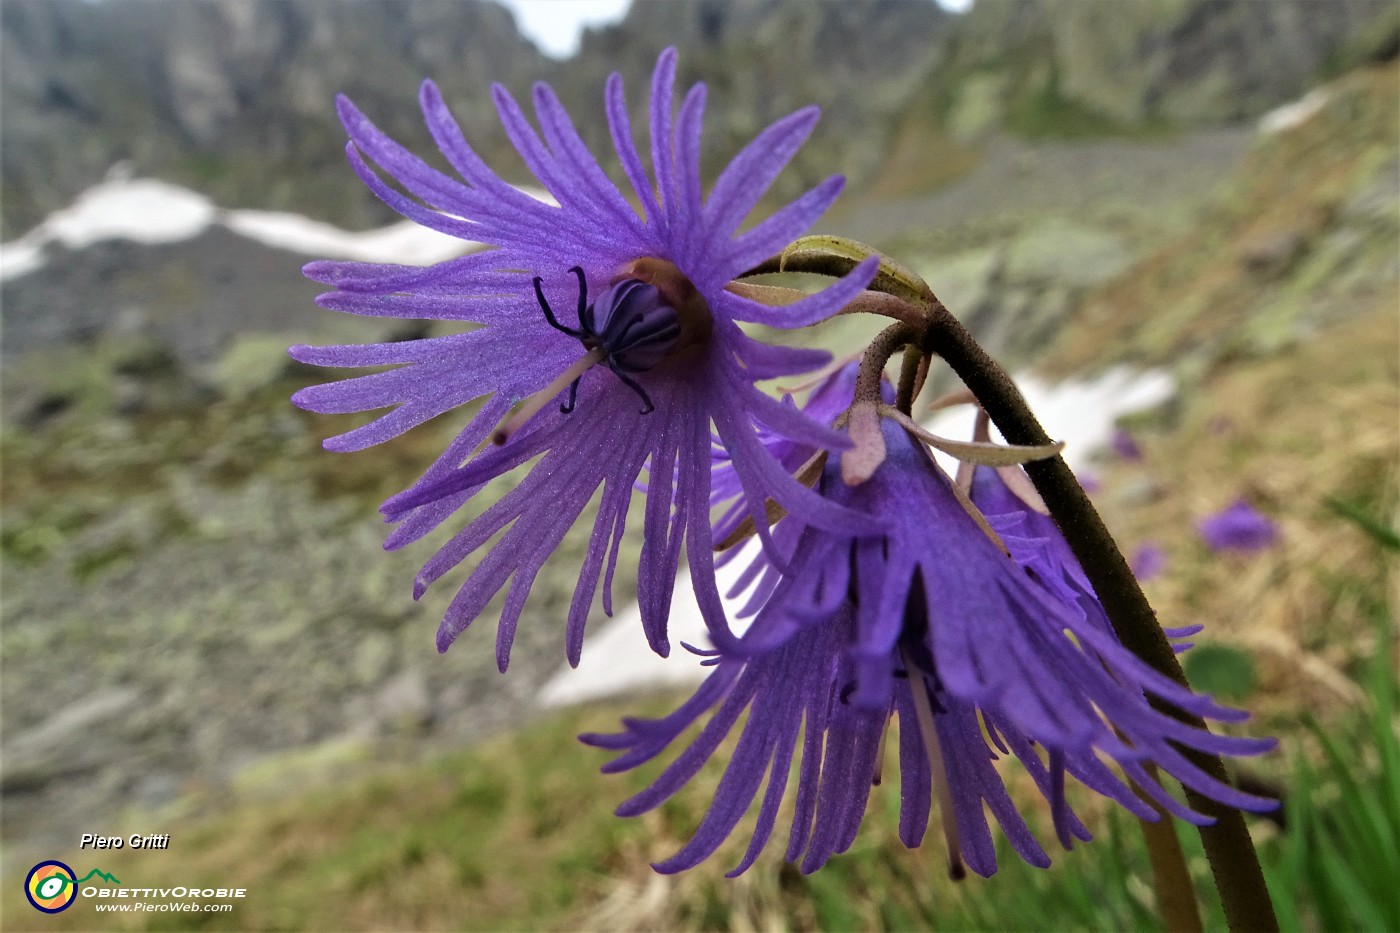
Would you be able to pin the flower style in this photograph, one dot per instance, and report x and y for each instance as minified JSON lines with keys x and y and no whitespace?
{"x":559,"y":291}
{"x":928,"y":619}
{"x":1240,"y":527}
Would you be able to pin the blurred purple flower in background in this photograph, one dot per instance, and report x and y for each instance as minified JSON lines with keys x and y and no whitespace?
{"x":1148,"y":561}
{"x":979,"y":657}
{"x":1238,"y":528}
{"x":560,"y":290}
{"x":1125,"y":446}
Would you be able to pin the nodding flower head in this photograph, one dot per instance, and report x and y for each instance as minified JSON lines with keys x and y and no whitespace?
{"x":617,"y":313}
{"x":934,"y":621}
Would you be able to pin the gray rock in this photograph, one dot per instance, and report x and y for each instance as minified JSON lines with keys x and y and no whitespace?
{"x":1270,"y":254}
{"x":404,"y":704}
{"x":1066,"y":253}
{"x":68,"y":741}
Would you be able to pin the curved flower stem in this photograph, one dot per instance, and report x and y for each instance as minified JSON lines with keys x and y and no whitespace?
{"x":912,"y":371}
{"x":1233,"y":861}
{"x":860,"y":462}
{"x":872,"y":364}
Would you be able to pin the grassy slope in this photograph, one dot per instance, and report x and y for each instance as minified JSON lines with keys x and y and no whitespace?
{"x":1294,"y":245}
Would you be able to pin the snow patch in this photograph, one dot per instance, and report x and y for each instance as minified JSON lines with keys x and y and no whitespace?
{"x":616,"y":660}
{"x":1080,"y":412}
{"x":1295,"y":114}
{"x":404,"y":242}
{"x":147,"y":210}
{"x":120,"y":208}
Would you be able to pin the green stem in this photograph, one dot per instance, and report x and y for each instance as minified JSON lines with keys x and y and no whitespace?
{"x":1176,"y":895}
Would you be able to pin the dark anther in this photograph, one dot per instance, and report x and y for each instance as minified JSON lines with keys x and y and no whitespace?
{"x":629,"y":321}
{"x":846,"y":691}
{"x":647,"y":406}
{"x":573,"y":398}
{"x":549,"y":312}
{"x":582,"y":293}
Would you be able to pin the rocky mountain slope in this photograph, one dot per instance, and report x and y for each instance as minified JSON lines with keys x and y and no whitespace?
{"x":227,"y":97}
{"x":234,"y":98}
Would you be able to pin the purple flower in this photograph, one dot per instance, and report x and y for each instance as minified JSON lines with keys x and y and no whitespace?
{"x":928,"y":620}
{"x":1238,"y":528}
{"x":1149,"y":561}
{"x":560,"y":290}
{"x":1125,"y":446}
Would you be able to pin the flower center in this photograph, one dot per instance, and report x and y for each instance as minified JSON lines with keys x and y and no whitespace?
{"x":630,"y":324}
{"x":649,"y":314}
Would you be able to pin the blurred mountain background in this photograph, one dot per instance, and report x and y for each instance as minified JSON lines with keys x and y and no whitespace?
{"x":234,"y":98}
{"x":197,"y":615}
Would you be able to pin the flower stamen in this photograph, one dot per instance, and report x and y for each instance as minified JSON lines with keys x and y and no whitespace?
{"x":923,"y":712}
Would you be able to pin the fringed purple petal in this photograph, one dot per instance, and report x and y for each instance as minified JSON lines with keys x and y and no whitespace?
{"x":740,"y":186}
{"x":765,"y":361}
{"x":564,"y":140}
{"x":769,"y":237}
{"x":419,"y":177}
{"x":450,"y":140}
{"x":684,"y":216}
{"x":663,"y":84}
{"x":620,"y":127}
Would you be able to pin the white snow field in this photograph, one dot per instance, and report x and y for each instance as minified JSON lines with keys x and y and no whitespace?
{"x":147,"y":210}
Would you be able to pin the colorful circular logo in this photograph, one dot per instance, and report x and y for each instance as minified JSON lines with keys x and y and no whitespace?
{"x":51,"y":886}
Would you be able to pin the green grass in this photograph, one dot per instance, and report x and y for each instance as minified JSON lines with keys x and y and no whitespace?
{"x":1342,"y":850}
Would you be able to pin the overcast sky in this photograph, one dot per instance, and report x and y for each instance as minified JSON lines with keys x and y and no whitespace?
{"x":556,"y":25}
